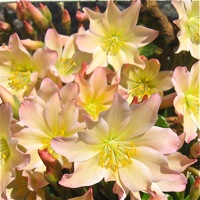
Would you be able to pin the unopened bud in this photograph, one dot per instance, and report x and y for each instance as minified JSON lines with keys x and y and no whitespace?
{"x":7,"y":97}
{"x":97,"y":9}
{"x":4,"y":26}
{"x":53,"y":171}
{"x":40,"y":20}
{"x":81,"y":17}
{"x":32,"y":44}
{"x":29,"y":28}
{"x":66,"y":20}
{"x":21,"y":11}
{"x":11,"y":6}
{"x":195,"y":150}
{"x":195,"y":190}
{"x":46,"y":12}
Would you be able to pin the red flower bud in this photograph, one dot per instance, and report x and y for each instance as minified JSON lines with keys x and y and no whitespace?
{"x":195,"y":192}
{"x":66,"y":20}
{"x":28,"y":27}
{"x":53,"y":171}
{"x":40,"y":20}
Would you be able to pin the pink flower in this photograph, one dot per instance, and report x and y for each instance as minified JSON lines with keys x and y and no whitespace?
{"x":122,"y":144}
{"x":95,"y":94}
{"x":140,"y":82}
{"x":188,"y":22}
{"x":187,"y":101}
{"x":44,"y":119}
{"x":27,"y":185}
{"x":113,"y":37}
{"x":69,"y":59}
{"x":11,"y":157}
{"x":19,"y":70}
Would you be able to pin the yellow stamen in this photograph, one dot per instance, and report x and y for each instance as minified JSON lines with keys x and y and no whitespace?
{"x":66,"y":66}
{"x":47,"y":141}
{"x":19,"y":78}
{"x":194,"y":29}
{"x":192,"y":101}
{"x":112,"y":44}
{"x":94,"y":108}
{"x":143,"y":88}
{"x":4,"y":151}
{"x":116,"y":154}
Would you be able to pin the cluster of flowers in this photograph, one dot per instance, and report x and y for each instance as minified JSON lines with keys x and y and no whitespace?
{"x":81,"y":110}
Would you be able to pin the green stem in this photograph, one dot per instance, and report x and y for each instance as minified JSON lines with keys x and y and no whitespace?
{"x":181,"y":195}
{"x":194,"y":171}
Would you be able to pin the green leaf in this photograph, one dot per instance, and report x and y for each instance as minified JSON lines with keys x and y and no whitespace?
{"x":169,"y":197}
{"x":150,"y":50}
{"x":145,"y":196}
{"x":161,"y":122}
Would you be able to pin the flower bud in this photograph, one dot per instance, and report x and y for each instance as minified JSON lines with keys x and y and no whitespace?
{"x":194,"y":191}
{"x":195,"y":150}
{"x":46,"y":12}
{"x":11,"y":6}
{"x":81,"y":17}
{"x":4,"y":26}
{"x":40,"y":20}
{"x":96,"y":9}
{"x":28,"y":27}
{"x":53,"y":171}
{"x":7,"y":97}
{"x":32,"y":44}
{"x":21,"y":11}
{"x":66,"y":20}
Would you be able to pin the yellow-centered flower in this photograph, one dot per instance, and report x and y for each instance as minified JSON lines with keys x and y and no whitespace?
{"x":189,"y":24}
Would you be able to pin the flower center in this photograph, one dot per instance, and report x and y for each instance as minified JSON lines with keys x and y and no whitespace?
{"x":19,"y":78}
{"x":116,"y":154}
{"x":143,"y":88}
{"x":94,"y":109}
{"x":192,"y":101}
{"x":66,"y":66}
{"x":47,"y":141}
{"x":5,"y":150}
{"x":194,"y":29}
{"x":112,"y":44}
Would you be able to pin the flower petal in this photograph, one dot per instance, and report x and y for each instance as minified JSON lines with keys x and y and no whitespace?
{"x":168,"y":144}
{"x":143,"y":117}
{"x":194,"y":75}
{"x":52,"y":112}
{"x":118,"y":115}
{"x":73,"y":149}
{"x":18,"y":49}
{"x":130,"y":15}
{"x":82,"y":176}
{"x":31,"y":115}
{"x":47,"y":89}
{"x":142,"y":176}
{"x":180,"y":79}
{"x":99,"y":59}
{"x":179,"y":162}
{"x":157,"y":164}
{"x":88,"y":42}
{"x":177,"y":185}
{"x":189,"y":126}
{"x":69,"y":92}
{"x":179,"y":102}
{"x":43,"y":60}
{"x":6,"y":118}
{"x":53,"y":41}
